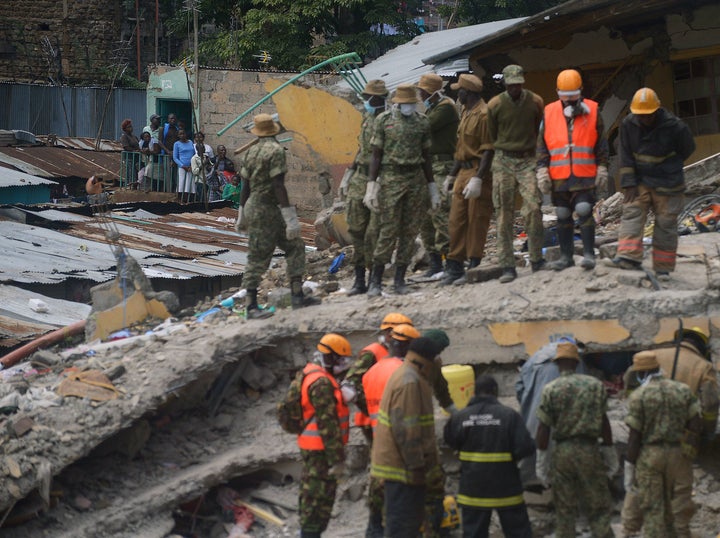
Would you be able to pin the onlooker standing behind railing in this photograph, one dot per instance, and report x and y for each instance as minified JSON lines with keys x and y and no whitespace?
{"x":130,"y":145}
{"x":183,"y":152}
{"x":150,"y":148}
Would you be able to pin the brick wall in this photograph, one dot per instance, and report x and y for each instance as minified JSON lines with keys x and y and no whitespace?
{"x":83,"y":31}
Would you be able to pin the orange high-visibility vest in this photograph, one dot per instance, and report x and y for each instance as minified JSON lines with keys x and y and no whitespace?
{"x":310,"y":438}
{"x":374,"y":382}
{"x":380,"y":352}
{"x":566,"y":156}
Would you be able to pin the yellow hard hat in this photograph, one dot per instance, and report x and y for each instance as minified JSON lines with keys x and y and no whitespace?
{"x":393,"y":319}
{"x":569,"y":82}
{"x":404,"y":332}
{"x":645,"y":101}
{"x":334,"y":343}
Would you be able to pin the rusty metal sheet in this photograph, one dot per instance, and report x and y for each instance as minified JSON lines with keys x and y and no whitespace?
{"x":55,"y":162}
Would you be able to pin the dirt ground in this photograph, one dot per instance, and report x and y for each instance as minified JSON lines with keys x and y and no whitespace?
{"x":192,"y":426}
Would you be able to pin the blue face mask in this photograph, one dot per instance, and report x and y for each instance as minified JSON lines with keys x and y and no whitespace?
{"x":427,"y":103}
{"x":369,"y":107}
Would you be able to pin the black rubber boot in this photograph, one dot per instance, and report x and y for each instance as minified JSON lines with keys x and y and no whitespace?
{"x":375,"y":288}
{"x":309,"y":534}
{"x":435,"y":265}
{"x":565,"y":233}
{"x":297,"y":297}
{"x":252,"y":310}
{"x":399,"y":286}
{"x":508,"y":275}
{"x":375,"y":527}
{"x":358,"y":286}
{"x":453,"y":271}
{"x":588,"y":239}
{"x":474,"y":262}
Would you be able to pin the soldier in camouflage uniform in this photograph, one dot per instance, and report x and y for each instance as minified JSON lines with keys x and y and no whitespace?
{"x":401,"y":144}
{"x":664,"y":420}
{"x":270,"y":219}
{"x":362,"y":223}
{"x":443,"y":116}
{"x":322,"y":443}
{"x":514,"y":119}
{"x":573,"y":407}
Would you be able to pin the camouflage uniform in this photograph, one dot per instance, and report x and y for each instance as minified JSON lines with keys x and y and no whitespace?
{"x":659,"y":411}
{"x":317,"y":486}
{"x":362,"y":223}
{"x":444,"y":121}
{"x":514,"y":129}
{"x":573,"y":406}
{"x":403,"y":198}
{"x":699,"y":375}
{"x":265,"y":224}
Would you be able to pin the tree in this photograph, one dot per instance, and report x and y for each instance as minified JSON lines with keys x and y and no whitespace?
{"x":480,"y":11}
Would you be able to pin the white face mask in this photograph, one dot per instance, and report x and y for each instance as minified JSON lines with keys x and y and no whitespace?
{"x":407,"y":109}
{"x":343,"y":364}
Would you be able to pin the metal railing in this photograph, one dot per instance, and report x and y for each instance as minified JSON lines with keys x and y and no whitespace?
{"x":148,"y":173}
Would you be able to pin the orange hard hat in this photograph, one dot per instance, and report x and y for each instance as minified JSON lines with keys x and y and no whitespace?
{"x":404,"y":332}
{"x":569,"y":82}
{"x":334,"y":343}
{"x":645,"y":101}
{"x":393,"y":319}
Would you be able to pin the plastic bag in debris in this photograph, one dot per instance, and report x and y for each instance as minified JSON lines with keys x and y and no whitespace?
{"x":39,"y":397}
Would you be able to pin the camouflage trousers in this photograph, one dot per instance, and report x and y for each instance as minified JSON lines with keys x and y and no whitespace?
{"x":665,"y":233}
{"x":317,"y":491}
{"x":662,"y":503}
{"x":469,"y":219}
{"x":266,"y":230}
{"x":362,"y":223}
{"x":403,"y":203}
{"x":434,"y":230}
{"x":511,"y":177}
{"x":578,"y":480}
{"x":434,"y":496}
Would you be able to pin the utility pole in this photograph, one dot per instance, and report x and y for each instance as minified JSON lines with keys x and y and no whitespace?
{"x":157,"y":24}
{"x":137,"y":37}
{"x":196,"y":58}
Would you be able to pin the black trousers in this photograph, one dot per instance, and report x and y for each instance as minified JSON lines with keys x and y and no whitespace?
{"x":514,"y":521}
{"x":404,"y":509}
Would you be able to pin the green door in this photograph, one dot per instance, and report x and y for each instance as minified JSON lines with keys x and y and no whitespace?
{"x":181,"y":108}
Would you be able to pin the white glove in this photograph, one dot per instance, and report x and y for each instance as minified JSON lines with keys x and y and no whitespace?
{"x":601,"y":178}
{"x":544,"y":182}
{"x":542,"y":466}
{"x":345,"y":183}
{"x":434,"y":196}
{"x":292,"y":224}
{"x":609,"y":455}
{"x":629,"y":478}
{"x":448,"y":183}
{"x":348,"y":392}
{"x":372,"y":196}
{"x":240,"y":223}
{"x":473,"y":189}
{"x":337,"y":470}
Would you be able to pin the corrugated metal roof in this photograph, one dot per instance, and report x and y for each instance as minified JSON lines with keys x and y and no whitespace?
{"x":13,"y":178}
{"x":54,"y":162}
{"x":85,"y":143}
{"x":55,"y":215}
{"x":15,"y":303}
{"x":405,"y":65}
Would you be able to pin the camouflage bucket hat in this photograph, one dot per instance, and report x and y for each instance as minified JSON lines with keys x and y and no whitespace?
{"x":513,"y":74}
{"x":375,"y":87}
{"x":264,"y":126}
{"x":645,"y":360}
{"x":566,"y":350}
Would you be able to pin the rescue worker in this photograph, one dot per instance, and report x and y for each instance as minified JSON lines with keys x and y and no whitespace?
{"x":322,"y":443}
{"x":653,"y":146}
{"x":572,"y":160}
{"x":443,"y":116}
{"x":352,"y":387}
{"x":362,"y":223}
{"x":268,"y":226}
{"x":404,"y":449}
{"x":401,"y":147}
{"x":573,"y":408}
{"x":470,"y":182}
{"x":695,"y":369}
{"x":374,"y":382}
{"x":491,"y":439}
{"x":514,"y":118}
{"x":664,"y":420}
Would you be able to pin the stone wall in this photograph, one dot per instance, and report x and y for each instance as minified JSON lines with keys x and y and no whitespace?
{"x":83,"y":33}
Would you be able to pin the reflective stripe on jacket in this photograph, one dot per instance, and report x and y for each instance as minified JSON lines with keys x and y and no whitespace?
{"x":374,"y":382}
{"x":379,"y":351}
{"x":310,"y":438}
{"x":576,"y":156}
